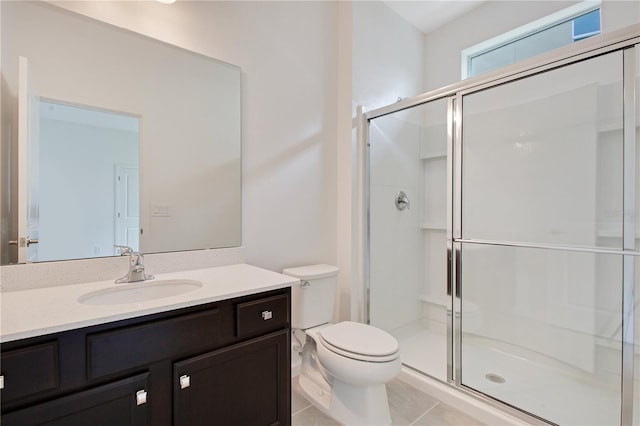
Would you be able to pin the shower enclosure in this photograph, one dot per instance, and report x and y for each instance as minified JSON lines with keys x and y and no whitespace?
{"x":504,"y":237}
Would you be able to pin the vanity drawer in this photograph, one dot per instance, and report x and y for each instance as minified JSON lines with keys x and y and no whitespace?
{"x":138,"y":346}
{"x":29,"y":371}
{"x":262,"y":316}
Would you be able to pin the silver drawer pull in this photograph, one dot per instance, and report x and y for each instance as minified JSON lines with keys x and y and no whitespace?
{"x":267,"y":315}
{"x":185,"y":381}
{"x":141,"y":397}
{"x":2,"y":382}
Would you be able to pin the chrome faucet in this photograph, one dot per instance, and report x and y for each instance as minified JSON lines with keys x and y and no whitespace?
{"x":136,"y":267}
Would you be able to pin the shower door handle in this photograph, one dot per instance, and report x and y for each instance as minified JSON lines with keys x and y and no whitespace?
{"x":449,"y":269}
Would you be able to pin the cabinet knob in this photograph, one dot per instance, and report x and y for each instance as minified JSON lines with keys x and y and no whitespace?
{"x":2,"y":382}
{"x":267,"y":315}
{"x":141,"y":397}
{"x":185,"y":381}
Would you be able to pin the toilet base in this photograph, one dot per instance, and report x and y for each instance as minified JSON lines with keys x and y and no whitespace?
{"x":350,"y":405}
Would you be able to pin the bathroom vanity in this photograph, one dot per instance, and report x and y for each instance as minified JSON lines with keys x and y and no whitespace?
{"x":216,"y":355}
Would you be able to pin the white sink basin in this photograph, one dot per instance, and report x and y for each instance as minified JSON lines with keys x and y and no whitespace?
{"x":139,"y":292}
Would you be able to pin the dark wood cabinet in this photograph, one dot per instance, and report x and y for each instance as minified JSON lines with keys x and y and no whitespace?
{"x":118,"y":403}
{"x":238,"y":385}
{"x":222,"y":363}
{"x":30,"y":370}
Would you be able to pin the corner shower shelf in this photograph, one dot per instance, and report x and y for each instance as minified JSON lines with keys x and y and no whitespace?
{"x":433,"y":227}
{"x":612,"y":127}
{"x":433,"y":155}
{"x":434,"y":300}
{"x":609,"y":127}
{"x":609,"y":233}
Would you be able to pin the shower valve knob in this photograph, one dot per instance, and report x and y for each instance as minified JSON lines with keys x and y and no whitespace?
{"x":402,"y":201}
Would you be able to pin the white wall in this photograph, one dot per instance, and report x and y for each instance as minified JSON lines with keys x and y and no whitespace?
{"x":387,"y":56}
{"x":287,"y":52}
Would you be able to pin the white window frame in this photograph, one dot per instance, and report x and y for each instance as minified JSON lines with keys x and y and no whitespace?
{"x":536,"y":26}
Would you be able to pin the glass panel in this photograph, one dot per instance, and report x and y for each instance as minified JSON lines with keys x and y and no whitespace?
{"x":544,"y":40}
{"x":542,"y":158}
{"x":586,"y":25}
{"x":491,"y":60}
{"x":636,"y":381}
{"x":408,"y":245}
{"x":636,"y":358}
{"x":541,"y":331}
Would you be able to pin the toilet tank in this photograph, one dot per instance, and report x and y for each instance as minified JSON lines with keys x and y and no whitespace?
{"x":312,"y":300}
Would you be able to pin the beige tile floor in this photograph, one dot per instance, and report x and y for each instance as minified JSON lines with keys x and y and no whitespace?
{"x":408,"y":406}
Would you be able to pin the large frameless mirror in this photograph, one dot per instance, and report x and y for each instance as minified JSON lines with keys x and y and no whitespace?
{"x":132,"y":141}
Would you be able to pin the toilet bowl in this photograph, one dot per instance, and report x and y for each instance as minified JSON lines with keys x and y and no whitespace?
{"x":346,"y":378}
{"x":345,"y":365}
{"x":356,"y":353}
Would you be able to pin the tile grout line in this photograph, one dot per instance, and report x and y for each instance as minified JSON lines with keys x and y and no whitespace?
{"x":300,"y":411}
{"x":425,"y":413}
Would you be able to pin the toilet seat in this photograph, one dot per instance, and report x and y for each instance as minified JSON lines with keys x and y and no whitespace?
{"x":360,"y":342}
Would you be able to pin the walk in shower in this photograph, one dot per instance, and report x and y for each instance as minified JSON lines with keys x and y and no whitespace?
{"x":504,"y":234}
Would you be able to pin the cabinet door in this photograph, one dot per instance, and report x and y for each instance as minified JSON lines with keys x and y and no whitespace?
{"x":29,"y":371}
{"x":112,"y":404}
{"x":245,"y":384}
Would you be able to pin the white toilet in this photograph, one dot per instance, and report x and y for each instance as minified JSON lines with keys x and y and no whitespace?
{"x":344,"y":366}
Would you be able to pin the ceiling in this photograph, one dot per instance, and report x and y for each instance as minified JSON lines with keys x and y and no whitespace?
{"x":427,"y":15}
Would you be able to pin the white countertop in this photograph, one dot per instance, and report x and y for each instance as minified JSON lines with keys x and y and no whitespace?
{"x":37,"y":312}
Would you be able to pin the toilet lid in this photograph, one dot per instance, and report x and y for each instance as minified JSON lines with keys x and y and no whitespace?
{"x":361,"y":339}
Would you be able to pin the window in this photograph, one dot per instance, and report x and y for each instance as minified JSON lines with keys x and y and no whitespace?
{"x":559,"y":29}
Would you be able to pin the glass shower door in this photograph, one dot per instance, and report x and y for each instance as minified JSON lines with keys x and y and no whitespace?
{"x":635,"y":132}
{"x":408,"y":233}
{"x":541,"y":248}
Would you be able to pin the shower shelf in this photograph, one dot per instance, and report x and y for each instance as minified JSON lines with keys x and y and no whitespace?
{"x":433,"y":226}
{"x":609,"y":233}
{"x":433,"y":155}
{"x":609,"y":127}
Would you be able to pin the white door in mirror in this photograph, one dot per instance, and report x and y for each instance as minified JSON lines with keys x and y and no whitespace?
{"x":28,"y":158}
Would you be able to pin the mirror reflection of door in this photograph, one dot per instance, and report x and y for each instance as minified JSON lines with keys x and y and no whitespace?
{"x":84,"y":208}
{"x":127,"y":207}
{"x":28,"y":155}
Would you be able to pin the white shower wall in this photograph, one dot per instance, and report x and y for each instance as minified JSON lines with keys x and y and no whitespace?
{"x":408,"y":272}
{"x":396,"y":246}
